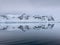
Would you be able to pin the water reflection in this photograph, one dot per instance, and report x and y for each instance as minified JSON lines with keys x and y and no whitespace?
{"x":26,"y":27}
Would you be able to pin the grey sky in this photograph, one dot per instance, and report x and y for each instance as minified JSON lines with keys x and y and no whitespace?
{"x":18,"y":5}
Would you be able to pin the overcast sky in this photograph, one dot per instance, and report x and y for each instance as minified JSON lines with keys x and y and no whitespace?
{"x":18,"y":5}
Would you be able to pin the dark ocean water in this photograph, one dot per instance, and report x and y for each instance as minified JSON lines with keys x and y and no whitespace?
{"x":39,"y":36}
